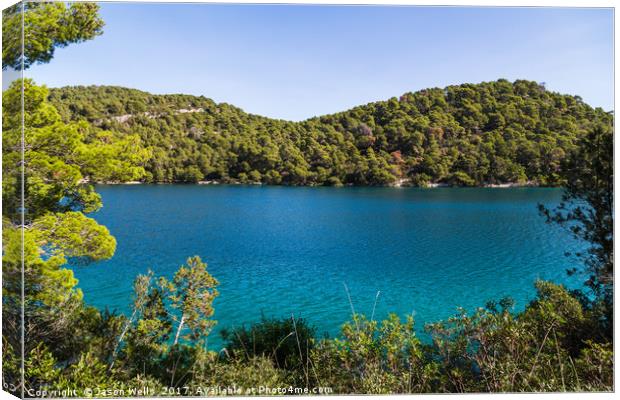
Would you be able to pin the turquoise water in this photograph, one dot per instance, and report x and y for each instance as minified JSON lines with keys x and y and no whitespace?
{"x":290,"y":250}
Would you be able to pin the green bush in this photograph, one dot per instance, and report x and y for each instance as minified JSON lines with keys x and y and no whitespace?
{"x":374,"y":358}
{"x":244,"y":373}
{"x":287,"y":341}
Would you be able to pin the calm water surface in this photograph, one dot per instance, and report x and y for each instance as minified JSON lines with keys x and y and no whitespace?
{"x":285,"y":250}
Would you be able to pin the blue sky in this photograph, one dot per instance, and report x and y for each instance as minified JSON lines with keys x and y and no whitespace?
{"x":295,"y":62}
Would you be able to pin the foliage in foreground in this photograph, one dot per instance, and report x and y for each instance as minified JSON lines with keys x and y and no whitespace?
{"x":46,"y":26}
{"x":286,"y":342}
{"x":555,"y":344}
{"x":587,"y":211}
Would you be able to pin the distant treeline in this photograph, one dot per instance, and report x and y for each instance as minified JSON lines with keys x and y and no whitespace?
{"x":465,"y":135}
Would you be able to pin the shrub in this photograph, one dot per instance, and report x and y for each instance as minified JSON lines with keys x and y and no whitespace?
{"x":374,"y":358}
{"x":242,"y":373}
{"x":498,"y":351}
{"x":285,"y":341}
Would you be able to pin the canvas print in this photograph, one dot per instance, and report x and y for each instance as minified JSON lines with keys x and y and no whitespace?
{"x":258,"y":199}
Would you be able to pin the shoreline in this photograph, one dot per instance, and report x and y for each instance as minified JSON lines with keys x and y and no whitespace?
{"x":397,"y":185}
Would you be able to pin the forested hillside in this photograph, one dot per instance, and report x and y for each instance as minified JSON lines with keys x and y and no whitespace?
{"x":470,"y":134}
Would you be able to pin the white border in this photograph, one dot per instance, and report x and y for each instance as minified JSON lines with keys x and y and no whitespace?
{"x":483,"y":3}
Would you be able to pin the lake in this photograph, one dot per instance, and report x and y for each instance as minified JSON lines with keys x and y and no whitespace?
{"x":279,"y":251}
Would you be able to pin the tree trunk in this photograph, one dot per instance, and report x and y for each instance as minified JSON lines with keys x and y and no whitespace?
{"x":120,"y":339}
{"x":176,"y":337}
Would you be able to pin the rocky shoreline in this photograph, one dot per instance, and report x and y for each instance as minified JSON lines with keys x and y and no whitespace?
{"x":398,"y":184}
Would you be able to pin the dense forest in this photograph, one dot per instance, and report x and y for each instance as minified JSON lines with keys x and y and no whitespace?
{"x":465,"y":135}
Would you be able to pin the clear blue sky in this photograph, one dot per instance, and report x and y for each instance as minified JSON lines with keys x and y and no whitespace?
{"x":294,"y":62}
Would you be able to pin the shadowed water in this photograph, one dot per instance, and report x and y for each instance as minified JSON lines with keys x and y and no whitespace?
{"x":290,"y":250}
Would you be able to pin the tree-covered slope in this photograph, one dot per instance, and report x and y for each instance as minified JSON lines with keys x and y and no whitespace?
{"x":470,"y":134}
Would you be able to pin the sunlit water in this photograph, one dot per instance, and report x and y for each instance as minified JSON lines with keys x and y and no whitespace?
{"x":288,"y":250}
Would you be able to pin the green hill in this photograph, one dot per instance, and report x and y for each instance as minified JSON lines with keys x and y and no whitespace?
{"x":470,"y":134}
